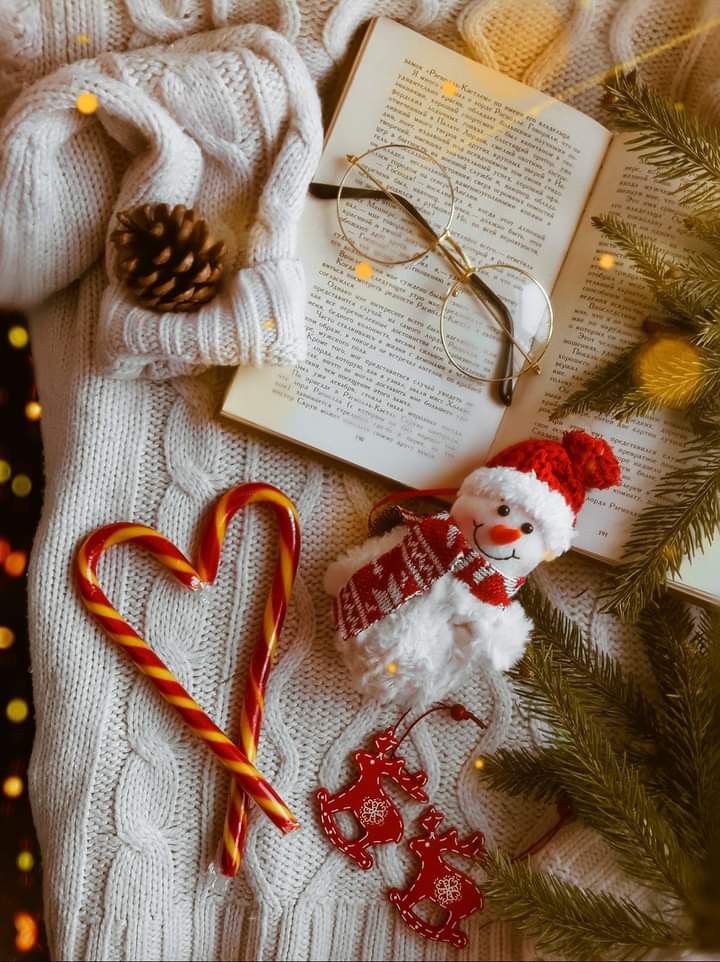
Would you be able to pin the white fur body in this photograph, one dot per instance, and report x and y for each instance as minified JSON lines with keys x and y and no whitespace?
{"x":431,"y":641}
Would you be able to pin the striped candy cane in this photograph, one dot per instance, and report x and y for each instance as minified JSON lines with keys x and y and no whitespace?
{"x":244,"y":772}
{"x":276,"y":606}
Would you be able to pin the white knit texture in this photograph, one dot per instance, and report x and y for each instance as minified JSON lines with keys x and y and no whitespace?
{"x":128,"y":807}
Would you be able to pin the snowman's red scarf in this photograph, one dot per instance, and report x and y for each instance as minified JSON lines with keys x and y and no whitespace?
{"x":433,"y":547}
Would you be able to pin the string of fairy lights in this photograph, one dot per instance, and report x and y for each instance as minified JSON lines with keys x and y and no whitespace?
{"x":21,"y":935}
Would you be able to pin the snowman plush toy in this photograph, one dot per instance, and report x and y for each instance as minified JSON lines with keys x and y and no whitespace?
{"x":419,"y":606}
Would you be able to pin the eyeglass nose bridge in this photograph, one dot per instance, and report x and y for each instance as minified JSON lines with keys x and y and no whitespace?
{"x":449,"y":246}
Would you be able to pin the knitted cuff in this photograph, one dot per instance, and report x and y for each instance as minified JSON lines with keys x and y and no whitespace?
{"x":258,"y":318}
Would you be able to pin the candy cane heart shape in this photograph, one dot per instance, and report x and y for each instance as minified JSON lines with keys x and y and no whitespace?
{"x":261,"y":661}
{"x":244,"y":772}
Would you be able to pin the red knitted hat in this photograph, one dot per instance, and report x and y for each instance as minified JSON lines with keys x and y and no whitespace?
{"x":549,"y":480}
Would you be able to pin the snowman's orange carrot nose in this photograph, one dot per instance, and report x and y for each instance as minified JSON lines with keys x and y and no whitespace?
{"x":501,"y":534}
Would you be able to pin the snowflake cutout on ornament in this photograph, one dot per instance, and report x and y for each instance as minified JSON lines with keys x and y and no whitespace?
{"x":373,"y":811}
{"x":447,"y":890}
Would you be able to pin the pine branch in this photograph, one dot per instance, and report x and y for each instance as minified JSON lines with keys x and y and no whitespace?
{"x":706,"y":228}
{"x":683,"y":517}
{"x":677,"y":143}
{"x":606,"y":790}
{"x":686,"y":741}
{"x":601,"y":390}
{"x":651,"y":263}
{"x":704,"y":908}
{"x":569,"y":921}
{"x":597,"y":678}
{"x":521,"y":772}
{"x":676,"y":286}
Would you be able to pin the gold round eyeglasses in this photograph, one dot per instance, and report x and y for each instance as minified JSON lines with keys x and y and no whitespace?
{"x":496,"y":319}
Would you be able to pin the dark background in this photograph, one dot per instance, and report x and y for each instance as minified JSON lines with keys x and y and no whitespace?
{"x":21,"y":933}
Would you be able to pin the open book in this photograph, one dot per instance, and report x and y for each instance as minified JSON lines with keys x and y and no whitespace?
{"x":528,"y":173}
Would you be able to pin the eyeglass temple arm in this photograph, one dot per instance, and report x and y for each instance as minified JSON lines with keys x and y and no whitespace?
{"x":330,"y":192}
{"x":499,"y":308}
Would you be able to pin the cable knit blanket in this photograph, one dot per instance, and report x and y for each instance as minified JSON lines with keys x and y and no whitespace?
{"x":128,"y":807}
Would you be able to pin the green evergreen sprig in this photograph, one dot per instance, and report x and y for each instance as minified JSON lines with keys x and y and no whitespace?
{"x":706,"y":229}
{"x":605,"y":789}
{"x":655,"y":807}
{"x":570,"y":921}
{"x":683,"y":517}
{"x":521,"y":772}
{"x":602,"y":688}
{"x":679,"y":145}
{"x":688,"y":755}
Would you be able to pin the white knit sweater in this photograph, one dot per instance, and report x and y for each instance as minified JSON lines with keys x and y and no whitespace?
{"x":128,"y":807}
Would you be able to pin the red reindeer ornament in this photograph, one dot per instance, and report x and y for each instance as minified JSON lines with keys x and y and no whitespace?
{"x":436,"y":881}
{"x":439,"y":882}
{"x":376,"y":813}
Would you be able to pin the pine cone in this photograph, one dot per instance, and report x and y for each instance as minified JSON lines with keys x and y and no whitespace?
{"x":167,"y":257}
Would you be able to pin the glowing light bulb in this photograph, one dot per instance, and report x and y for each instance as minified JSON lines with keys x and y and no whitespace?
{"x":21,"y":485}
{"x":5,"y":472}
{"x":479,"y":763}
{"x":392,"y":668}
{"x":607,"y":261}
{"x":33,"y":410}
{"x":7,"y":637}
{"x":18,"y":336}
{"x":17,"y":710}
{"x":4,"y":549}
{"x":13,"y":786}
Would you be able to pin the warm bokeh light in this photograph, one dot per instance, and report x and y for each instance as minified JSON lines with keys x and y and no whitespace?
{"x":26,"y":929}
{"x":363,"y":271}
{"x":13,"y":786}
{"x":87,"y":103}
{"x":7,"y":637}
{"x":607,"y":261}
{"x":392,"y":667}
{"x":33,"y":410}
{"x":449,"y":88}
{"x":83,"y":38}
{"x":17,"y":710}
{"x":479,"y":763}
{"x":15,"y":564}
{"x":670,"y":369}
{"x":5,"y":471}
{"x":25,"y":861}
{"x":18,"y":336}
{"x":21,"y":485}
{"x":4,"y":550}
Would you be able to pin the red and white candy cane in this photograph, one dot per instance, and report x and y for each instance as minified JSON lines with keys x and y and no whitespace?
{"x":264,"y":651}
{"x":244,"y":772}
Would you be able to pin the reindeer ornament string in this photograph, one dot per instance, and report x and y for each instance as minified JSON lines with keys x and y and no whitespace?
{"x":380,"y":822}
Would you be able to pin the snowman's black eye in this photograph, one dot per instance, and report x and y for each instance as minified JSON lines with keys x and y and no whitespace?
{"x":527,"y":528}
{"x":504,"y":510}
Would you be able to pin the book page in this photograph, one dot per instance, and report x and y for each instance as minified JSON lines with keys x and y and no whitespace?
{"x":377,"y":389}
{"x":600,"y":304}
